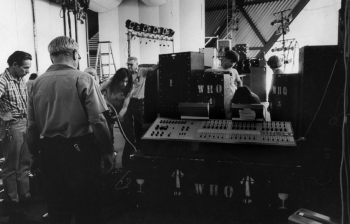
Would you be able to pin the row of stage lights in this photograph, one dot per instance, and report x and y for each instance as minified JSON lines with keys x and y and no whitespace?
{"x":151,"y":32}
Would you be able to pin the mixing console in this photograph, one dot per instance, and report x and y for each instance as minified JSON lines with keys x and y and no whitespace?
{"x":222,"y":131}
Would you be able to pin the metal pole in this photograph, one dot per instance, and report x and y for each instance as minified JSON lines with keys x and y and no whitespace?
{"x":173,"y":46}
{"x":35,"y":42}
{"x":64,"y":20}
{"x":69,"y":24}
{"x":75,"y":20}
{"x":129,"y":47}
{"x":75,"y":11}
{"x":87,"y":40}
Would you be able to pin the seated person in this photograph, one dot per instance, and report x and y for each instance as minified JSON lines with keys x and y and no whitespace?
{"x":244,"y":95}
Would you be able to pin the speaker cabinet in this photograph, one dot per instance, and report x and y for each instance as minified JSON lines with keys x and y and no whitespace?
{"x":212,"y":89}
{"x":285,"y":99}
{"x":176,"y":73}
{"x":323,"y":77}
{"x":258,"y":82}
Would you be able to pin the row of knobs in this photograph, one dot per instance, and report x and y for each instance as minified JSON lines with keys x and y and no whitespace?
{"x":172,"y":122}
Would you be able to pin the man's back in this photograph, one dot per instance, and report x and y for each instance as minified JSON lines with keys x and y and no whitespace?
{"x":59,"y":95}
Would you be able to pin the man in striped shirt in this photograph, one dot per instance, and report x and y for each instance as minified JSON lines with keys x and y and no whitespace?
{"x":13,"y":108}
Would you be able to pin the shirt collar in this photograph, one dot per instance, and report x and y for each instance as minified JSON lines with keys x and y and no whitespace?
{"x":56,"y":67}
{"x":10,"y":77}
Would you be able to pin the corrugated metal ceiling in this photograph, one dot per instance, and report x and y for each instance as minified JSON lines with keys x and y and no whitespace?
{"x":259,"y":12}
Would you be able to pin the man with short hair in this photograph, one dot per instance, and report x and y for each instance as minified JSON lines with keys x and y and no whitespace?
{"x":66,"y":107}
{"x":13,"y":111}
{"x":136,"y":105}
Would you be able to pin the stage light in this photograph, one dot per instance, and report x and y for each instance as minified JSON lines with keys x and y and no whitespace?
{"x":276,"y":21}
{"x":171,"y":32}
{"x":160,"y":30}
{"x":155,"y":30}
{"x":144,"y":27}
{"x":137,"y":27}
{"x":129,"y":24}
{"x":150,"y":29}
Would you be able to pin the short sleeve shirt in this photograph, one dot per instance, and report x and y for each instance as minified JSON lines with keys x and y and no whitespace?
{"x":61,"y":101}
{"x":139,"y":80}
{"x":13,"y":94}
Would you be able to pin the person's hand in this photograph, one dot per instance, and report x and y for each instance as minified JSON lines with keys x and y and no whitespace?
{"x":121,"y":118}
{"x":269,"y":107}
{"x":111,"y":157}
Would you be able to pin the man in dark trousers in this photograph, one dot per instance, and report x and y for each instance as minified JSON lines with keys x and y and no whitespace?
{"x":136,"y":105}
{"x":13,"y":121}
{"x":65,"y":107}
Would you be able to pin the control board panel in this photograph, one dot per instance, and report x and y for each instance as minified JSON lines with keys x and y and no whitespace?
{"x":222,"y":131}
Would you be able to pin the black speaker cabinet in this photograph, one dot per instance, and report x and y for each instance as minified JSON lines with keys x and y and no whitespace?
{"x":212,"y":89}
{"x":285,"y":98}
{"x":258,"y":82}
{"x":176,"y":73}
{"x":151,"y":95}
{"x":323,"y":76}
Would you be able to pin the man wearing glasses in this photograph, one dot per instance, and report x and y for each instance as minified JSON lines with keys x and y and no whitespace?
{"x":136,"y":105}
{"x":65,"y":106}
{"x":230,"y":59}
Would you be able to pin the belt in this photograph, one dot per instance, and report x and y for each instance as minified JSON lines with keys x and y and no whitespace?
{"x":20,"y":116}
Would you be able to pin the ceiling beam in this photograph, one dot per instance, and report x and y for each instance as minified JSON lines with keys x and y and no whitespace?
{"x":221,"y":7}
{"x":257,"y":2}
{"x":295,"y":12}
{"x":255,"y":48}
{"x":240,"y":3}
{"x":252,"y":25}
{"x":218,"y":32}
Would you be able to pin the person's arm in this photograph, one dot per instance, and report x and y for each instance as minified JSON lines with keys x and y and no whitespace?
{"x":95,"y":106}
{"x":102,"y":133}
{"x":105,"y":85}
{"x":33,"y":134}
{"x":237,"y":78}
{"x":146,"y":72}
{"x":214,"y":70}
{"x":154,"y":67}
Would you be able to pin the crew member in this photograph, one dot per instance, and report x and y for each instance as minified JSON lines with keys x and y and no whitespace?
{"x":136,"y":105}
{"x":65,"y":106}
{"x":230,"y":59}
{"x":13,"y":113}
{"x":117,"y":92}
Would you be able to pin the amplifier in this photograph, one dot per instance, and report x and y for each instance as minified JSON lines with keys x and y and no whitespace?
{"x":286,"y":99}
{"x":213,"y":89}
{"x":176,"y":73}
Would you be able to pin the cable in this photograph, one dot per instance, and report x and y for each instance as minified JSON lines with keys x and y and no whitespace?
{"x":344,"y":159}
{"x":121,"y":179}
{"x":120,"y":126}
{"x":324,"y":94}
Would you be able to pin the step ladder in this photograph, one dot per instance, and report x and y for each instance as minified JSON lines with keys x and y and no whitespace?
{"x":104,"y":61}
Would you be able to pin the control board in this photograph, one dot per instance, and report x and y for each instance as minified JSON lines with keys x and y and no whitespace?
{"x":222,"y":131}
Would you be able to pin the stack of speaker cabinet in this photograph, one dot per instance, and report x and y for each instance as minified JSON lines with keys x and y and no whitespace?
{"x":176,"y":73}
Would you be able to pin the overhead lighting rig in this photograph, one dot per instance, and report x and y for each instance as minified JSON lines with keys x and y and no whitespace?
{"x":78,"y":7}
{"x":282,"y":21}
{"x":149,"y":32}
